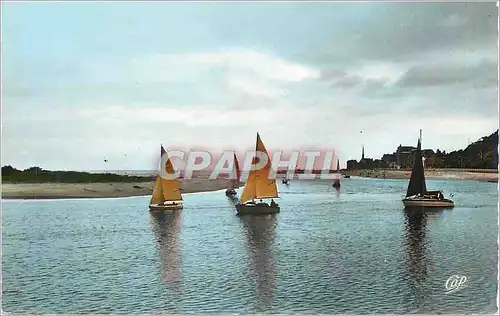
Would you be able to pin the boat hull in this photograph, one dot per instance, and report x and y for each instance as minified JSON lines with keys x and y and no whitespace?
{"x":256,"y":209}
{"x":230,"y":192}
{"x":428,"y":202}
{"x":167,"y":207}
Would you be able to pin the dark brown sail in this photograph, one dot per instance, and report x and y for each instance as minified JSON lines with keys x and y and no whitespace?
{"x":417,"y":179}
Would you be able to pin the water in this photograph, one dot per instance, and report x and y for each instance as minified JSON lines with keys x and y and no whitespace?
{"x":353,"y":251}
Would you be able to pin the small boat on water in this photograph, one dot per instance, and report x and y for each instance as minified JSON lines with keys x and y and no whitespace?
{"x":286,"y":181}
{"x":234,"y":182}
{"x":166,"y":193}
{"x":259,"y":186}
{"x":417,"y":194}
{"x":336,"y":181}
{"x":346,"y":176}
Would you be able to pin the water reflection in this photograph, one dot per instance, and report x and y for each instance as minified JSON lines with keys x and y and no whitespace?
{"x":233,"y":199}
{"x":166,"y":227}
{"x":417,"y":260}
{"x":260,"y":234}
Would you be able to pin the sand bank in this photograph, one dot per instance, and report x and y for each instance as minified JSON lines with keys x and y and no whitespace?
{"x":429,"y":174}
{"x":99,"y":190}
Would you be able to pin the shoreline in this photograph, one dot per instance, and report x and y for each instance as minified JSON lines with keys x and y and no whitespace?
{"x":429,"y":175}
{"x":58,"y":191}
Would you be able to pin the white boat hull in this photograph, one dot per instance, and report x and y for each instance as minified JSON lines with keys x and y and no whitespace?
{"x":165,"y":207}
{"x":422,"y":202}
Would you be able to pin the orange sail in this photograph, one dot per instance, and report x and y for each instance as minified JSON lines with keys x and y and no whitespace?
{"x":157,"y":197}
{"x":171,"y":188}
{"x":258,"y":185}
{"x":166,"y":190}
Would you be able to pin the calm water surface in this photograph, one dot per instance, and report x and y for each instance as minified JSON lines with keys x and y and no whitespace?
{"x":352,"y":251}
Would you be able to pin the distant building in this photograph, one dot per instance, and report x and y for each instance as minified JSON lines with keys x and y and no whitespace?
{"x":401,"y":158}
{"x":352,"y":164}
{"x":404,"y":156}
{"x":390,"y":161}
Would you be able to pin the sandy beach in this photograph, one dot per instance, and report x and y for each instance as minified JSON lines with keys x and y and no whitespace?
{"x":99,"y":190}
{"x":429,"y":174}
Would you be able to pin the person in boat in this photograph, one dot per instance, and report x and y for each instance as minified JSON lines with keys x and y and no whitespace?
{"x":440,"y":196}
{"x":273,"y":203}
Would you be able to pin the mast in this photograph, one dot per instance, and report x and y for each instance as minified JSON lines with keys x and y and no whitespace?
{"x":338,"y":165}
{"x":417,"y":179}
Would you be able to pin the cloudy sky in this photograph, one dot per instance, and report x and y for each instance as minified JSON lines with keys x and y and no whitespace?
{"x":83,"y":81}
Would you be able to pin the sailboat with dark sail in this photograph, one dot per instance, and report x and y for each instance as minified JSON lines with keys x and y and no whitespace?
{"x":234,"y":181}
{"x":259,"y":186}
{"x":166,"y":192}
{"x":417,"y":194}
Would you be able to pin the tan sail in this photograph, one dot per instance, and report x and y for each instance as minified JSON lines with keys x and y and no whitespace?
{"x":171,"y":188}
{"x":157,"y":197}
{"x":259,"y":185}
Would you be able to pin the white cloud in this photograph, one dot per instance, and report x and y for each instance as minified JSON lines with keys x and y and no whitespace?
{"x":261,"y":64}
{"x":382,"y":72}
{"x":172,"y":67}
{"x":254,"y":87}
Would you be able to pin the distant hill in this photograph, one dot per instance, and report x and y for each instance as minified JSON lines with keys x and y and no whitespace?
{"x":482,"y":154}
{"x":38,"y":175}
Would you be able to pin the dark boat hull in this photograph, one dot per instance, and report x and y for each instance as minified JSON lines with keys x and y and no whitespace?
{"x":256,"y":209}
{"x":426,"y":202}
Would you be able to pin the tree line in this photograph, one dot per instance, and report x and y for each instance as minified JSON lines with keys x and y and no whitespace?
{"x":38,"y":175}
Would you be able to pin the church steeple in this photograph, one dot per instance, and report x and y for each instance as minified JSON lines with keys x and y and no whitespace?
{"x":362,"y":152}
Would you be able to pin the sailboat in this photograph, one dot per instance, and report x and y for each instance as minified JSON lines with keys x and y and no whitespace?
{"x":259,"y":186}
{"x":417,"y":194}
{"x":336,"y":181}
{"x":166,"y":193}
{"x":234,"y":182}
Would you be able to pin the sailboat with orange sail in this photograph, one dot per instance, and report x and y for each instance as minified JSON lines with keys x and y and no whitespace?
{"x":259,"y":186}
{"x":234,"y":181}
{"x":166,"y":192}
